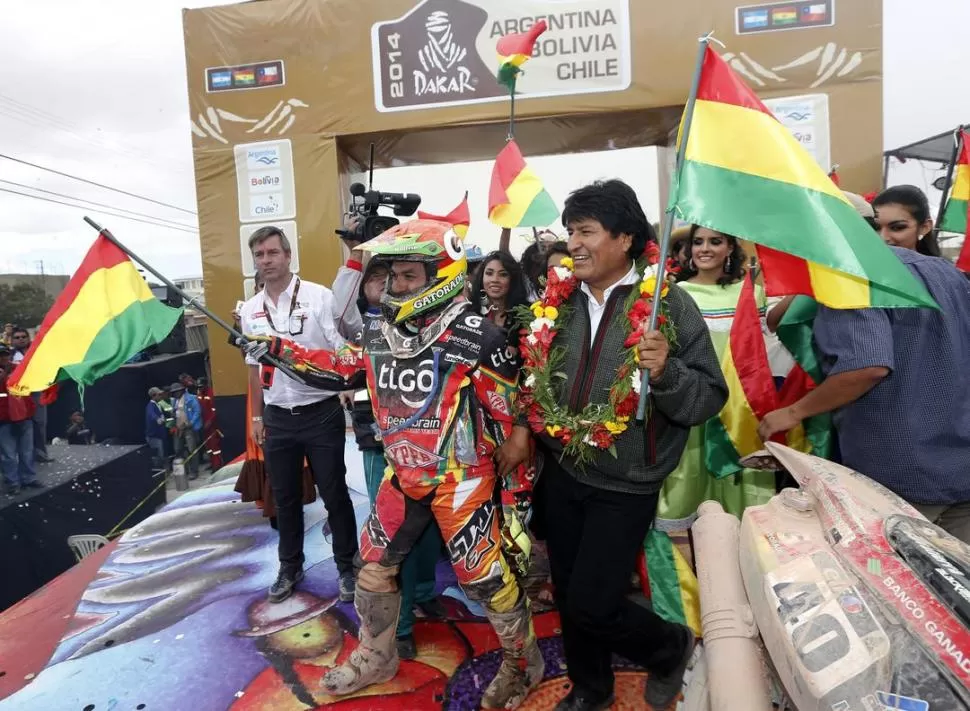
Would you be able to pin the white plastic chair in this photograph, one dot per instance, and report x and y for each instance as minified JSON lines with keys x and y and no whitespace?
{"x":85,"y":544}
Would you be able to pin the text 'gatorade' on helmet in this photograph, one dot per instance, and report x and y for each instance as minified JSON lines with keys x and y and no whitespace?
{"x":432,"y":243}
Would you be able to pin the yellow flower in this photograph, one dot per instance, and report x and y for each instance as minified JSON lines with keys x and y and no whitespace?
{"x":648,"y":286}
{"x":623,"y":418}
{"x":567,"y":262}
{"x":663,"y":292}
{"x":614,"y":428}
{"x":551,"y":313}
{"x":537,"y":309}
{"x":553,"y":430}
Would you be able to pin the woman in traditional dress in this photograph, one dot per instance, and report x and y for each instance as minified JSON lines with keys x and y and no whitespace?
{"x":714,"y":276}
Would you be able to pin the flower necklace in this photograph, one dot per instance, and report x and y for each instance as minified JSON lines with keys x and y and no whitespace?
{"x":596,"y":428}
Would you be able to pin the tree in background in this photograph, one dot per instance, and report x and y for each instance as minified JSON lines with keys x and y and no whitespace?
{"x":24,"y":304}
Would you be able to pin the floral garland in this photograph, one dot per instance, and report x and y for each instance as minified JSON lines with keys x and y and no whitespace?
{"x":596,"y":428}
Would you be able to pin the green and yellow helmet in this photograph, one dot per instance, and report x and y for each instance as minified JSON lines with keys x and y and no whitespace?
{"x":432,"y":243}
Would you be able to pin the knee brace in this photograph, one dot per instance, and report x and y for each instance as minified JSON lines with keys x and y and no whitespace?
{"x":378,"y":578}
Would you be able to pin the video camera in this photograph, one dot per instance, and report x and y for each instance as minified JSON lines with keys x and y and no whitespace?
{"x":365,"y":202}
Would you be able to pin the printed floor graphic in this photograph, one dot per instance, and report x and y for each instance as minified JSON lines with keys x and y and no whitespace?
{"x":176,"y":618}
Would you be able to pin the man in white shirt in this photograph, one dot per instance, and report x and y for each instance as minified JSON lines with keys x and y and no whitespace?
{"x":20,"y":342}
{"x":291,"y":420}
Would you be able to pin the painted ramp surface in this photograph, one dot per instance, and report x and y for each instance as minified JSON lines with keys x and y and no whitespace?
{"x":176,"y":618}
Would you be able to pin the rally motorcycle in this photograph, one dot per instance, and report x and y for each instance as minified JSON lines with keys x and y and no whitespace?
{"x":837,"y":595}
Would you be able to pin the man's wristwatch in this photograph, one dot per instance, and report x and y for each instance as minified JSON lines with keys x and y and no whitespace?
{"x":257,"y":419}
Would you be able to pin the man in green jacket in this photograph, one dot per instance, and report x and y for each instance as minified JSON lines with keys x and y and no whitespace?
{"x":597,"y":513}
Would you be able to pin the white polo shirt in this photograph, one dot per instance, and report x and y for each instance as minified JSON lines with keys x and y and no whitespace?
{"x":312,"y":313}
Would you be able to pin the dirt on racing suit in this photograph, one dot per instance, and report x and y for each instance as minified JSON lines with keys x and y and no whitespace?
{"x":443,"y":400}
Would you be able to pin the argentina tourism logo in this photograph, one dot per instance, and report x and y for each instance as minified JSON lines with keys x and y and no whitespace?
{"x":443,"y":52}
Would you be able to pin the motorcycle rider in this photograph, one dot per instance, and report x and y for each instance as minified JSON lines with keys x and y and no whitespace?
{"x":442,"y":384}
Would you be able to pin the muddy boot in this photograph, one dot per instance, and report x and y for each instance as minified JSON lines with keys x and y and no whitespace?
{"x":522,"y":665}
{"x":375,"y":659}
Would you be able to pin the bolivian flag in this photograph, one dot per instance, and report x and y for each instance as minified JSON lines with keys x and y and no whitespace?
{"x":955,"y":214}
{"x":459,"y":218}
{"x":795,"y":333}
{"x":105,"y":315}
{"x":746,"y":175}
{"x":514,"y":51}
{"x":516,"y":197}
{"x":733,"y":434}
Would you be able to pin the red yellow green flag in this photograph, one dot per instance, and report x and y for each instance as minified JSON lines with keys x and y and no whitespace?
{"x":459,"y":218}
{"x":733,"y":434}
{"x":514,"y":50}
{"x":955,"y":215}
{"x":673,"y":590}
{"x":516,"y":197}
{"x":746,"y":175}
{"x":105,"y":315}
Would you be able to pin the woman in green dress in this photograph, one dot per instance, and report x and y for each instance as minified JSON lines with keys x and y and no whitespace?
{"x":713,"y":277}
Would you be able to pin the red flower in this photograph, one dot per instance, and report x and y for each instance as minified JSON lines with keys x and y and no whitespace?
{"x":565,"y":435}
{"x":652,"y":253}
{"x":639,"y":314}
{"x":633,"y":338}
{"x":536,"y":421}
{"x":628,"y":405}
{"x":545,"y":336}
{"x":661,"y":320}
{"x":601,"y":436}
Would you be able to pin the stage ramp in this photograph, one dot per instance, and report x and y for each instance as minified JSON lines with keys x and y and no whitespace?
{"x":175,"y":618}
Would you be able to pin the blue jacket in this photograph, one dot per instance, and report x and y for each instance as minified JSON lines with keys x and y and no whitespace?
{"x":153,"y":428}
{"x":193,"y":410}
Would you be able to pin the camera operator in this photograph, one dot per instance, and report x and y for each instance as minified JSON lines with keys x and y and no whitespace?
{"x":298,"y":421}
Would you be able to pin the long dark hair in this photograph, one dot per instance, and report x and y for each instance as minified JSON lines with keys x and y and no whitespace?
{"x":518,"y":293}
{"x":735,"y":259}
{"x":916,"y":204}
{"x":372,"y":266}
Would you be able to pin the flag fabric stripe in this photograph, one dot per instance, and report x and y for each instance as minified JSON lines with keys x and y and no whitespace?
{"x":514,"y":50}
{"x":956,"y":216}
{"x":516,"y":196}
{"x":112,"y":346}
{"x":747,"y":342}
{"x":786,"y":274}
{"x":674,"y":593}
{"x":719,"y":83}
{"x":813,"y":226}
{"x":106,"y":288}
{"x":459,"y":218}
{"x":779,"y":156}
{"x":744,"y":174}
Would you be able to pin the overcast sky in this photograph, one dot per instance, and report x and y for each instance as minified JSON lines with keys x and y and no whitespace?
{"x":96,"y":88}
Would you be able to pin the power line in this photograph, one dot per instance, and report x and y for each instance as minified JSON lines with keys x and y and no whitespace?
{"x":100,"y":185}
{"x":96,"y":204}
{"x":112,"y":214}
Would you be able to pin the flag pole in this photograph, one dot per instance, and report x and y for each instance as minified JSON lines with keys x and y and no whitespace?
{"x":702,"y":44}
{"x":958,"y":140}
{"x":511,"y":136}
{"x":149,"y":268}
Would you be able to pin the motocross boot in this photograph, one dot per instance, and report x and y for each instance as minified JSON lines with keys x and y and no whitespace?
{"x":522,"y":664}
{"x":375,"y":660}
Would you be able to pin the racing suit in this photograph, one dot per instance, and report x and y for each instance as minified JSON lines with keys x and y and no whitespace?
{"x":443,"y":401}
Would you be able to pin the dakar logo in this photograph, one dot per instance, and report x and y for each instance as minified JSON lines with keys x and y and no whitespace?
{"x":441,"y":70}
{"x":429,"y":56}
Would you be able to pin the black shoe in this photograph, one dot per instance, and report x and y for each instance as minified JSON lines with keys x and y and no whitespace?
{"x":663,"y":689}
{"x":575,"y":701}
{"x":347,"y":587}
{"x":34,"y":485}
{"x":406,"y":648}
{"x":284,"y":585}
{"x":43,"y":458}
{"x":433,"y":608}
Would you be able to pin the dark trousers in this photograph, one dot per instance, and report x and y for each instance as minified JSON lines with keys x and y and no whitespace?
{"x":316,"y":432}
{"x":593,"y":537}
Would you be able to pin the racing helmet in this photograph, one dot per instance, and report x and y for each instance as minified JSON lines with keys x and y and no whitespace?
{"x":438,"y":247}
